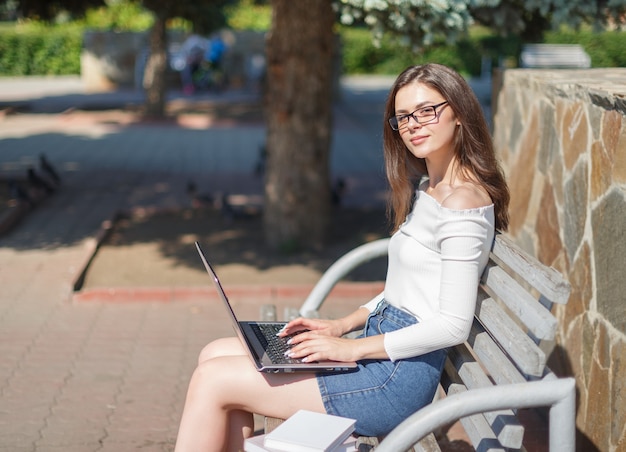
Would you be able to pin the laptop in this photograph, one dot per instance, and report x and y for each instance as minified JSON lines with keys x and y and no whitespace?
{"x":267,"y":350}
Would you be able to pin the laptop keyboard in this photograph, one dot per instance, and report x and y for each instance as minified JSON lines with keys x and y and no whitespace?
{"x":274,"y":346}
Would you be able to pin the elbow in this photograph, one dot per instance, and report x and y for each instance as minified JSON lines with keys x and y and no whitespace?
{"x":457,"y":334}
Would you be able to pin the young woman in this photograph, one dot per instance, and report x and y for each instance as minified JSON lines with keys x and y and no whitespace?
{"x":447,"y":198}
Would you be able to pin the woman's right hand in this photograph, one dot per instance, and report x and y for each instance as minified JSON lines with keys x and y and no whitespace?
{"x":324,"y":327}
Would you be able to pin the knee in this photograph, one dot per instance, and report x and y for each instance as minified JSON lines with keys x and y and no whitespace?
{"x":217,"y":379}
{"x":217,"y":348}
{"x":209,"y":352}
{"x":203,"y":380}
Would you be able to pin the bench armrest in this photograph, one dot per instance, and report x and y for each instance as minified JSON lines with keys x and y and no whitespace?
{"x":338,"y":270}
{"x":559,"y":394}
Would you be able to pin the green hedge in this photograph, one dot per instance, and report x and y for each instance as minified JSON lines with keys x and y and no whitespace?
{"x":56,"y":51}
{"x":360,"y":56}
{"x":46,"y":51}
{"x":606,"y":49}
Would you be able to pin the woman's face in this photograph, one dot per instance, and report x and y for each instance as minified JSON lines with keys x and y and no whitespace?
{"x":433,"y":136}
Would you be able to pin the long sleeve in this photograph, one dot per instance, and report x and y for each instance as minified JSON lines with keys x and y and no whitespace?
{"x":435,"y":262}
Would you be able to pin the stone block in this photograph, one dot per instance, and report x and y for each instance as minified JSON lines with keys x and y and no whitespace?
{"x":588,"y":343}
{"x":618,"y":394}
{"x":611,"y":127}
{"x":549,"y":146}
{"x":600,"y":171}
{"x":581,"y":280}
{"x":608,"y":220}
{"x":598,"y":418}
{"x":548,"y":228}
{"x":575,"y":209}
{"x":619,"y":166}
{"x":574,"y":133}
{"x":521,"y":181}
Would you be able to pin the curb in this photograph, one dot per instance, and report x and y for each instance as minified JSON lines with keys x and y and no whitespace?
{"x":267,"y":293}
{"x":93,"y":243}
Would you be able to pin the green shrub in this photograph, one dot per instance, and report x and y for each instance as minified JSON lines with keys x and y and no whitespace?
{"x":607,"y":49}
{"x":119,"y":16}
{"x":360,"y":56}
{"x":40,"y":51}
{"x":247,"y":15}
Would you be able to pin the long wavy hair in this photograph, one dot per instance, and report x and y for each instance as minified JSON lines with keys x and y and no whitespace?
{"x":473,"y":146}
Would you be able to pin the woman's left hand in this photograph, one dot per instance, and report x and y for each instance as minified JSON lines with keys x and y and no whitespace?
{"x":312,"y":346}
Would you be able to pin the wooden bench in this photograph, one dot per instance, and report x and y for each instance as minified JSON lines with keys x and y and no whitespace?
{"x":501,"y":367}
{"x":554,"y":56}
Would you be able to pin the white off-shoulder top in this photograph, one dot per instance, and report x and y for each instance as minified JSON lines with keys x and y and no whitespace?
{"x":435,"y":261}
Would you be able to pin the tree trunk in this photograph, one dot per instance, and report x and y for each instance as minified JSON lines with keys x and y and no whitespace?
{"x":154,"y":80}
{"x":297,"y":185}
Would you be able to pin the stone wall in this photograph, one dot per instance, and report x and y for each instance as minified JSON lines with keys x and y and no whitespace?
{"x":561,"y":136}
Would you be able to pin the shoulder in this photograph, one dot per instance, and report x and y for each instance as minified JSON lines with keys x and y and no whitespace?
{"x":467,"y":196}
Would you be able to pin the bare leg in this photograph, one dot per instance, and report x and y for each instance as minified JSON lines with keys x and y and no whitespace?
{"x":227,"y":346}
{"x":240,"y":426}
{"x":225,"y":388}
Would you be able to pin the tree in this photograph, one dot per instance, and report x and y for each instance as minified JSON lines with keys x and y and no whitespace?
{"x":299,"y":75}
{"x":300,"y":47}
{"x":418,"y":22}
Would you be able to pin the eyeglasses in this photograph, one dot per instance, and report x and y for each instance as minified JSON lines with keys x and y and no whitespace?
{"x":423,"y":115}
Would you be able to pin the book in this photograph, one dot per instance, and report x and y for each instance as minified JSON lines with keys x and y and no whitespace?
{"x":307,"y":431}
{"x":256,"y":444}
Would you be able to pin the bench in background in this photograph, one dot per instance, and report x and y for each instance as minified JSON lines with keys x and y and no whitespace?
{"x":500,"y":369}
{"x":554,"y":56}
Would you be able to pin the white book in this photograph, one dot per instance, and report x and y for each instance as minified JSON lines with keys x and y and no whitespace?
{"x":256,"y":444}
{"x":307,"y":431}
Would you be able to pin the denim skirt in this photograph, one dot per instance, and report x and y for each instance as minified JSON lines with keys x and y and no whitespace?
{"x":380,"y":394}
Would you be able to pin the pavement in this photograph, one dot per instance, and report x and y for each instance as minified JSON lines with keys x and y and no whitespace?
{"x":96,"y":375}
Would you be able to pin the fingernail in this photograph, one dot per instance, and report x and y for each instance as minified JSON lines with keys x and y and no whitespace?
{"x":289,"y":341}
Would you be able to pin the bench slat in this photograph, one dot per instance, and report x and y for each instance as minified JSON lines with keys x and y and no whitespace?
{"x":427,"y":444}
{"x":545,"y":279}
{"x":523,"y":351}
{"x":527,"y":309}
{"x":462,"y":368}
{"x":497,"y":364}
{"x":477,"y":428}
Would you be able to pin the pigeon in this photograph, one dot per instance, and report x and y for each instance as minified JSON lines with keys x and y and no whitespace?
{"x":49,"y":170}
{"x":17,"y":192}
{"x":37,"y":182}
{"x":198,"y":199}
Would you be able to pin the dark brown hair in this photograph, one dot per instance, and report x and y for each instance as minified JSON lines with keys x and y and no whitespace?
{"x":473,"y":146}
